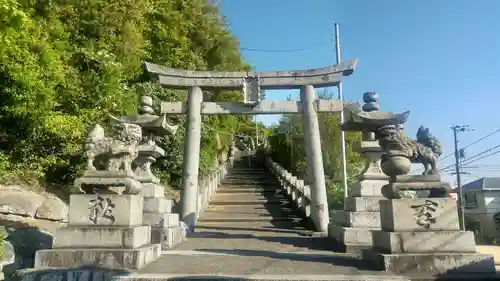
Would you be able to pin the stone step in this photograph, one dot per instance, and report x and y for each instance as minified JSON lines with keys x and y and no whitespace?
{"x":247,"y":219}
{"x":246,"y":210}
{"x":249,"y":172}
{"x":244,"y":168}
{"x":242,"y":181}
{"x":251,"y":185}
{"x":247,"y":190}
{"x":265,"y":226}
{"x":250,"y":176}
{"x":218,"y":201}
{"x":248,"y":196}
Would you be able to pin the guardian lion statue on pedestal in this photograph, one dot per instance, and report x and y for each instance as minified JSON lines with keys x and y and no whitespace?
{"x":115,"y":153}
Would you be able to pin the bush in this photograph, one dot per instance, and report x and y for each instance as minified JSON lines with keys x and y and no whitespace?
{"x":66,"y":65}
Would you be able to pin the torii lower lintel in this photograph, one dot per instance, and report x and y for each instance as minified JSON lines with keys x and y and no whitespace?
{"x":264,"y":107}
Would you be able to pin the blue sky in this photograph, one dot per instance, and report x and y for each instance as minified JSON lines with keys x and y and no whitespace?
{"x":438,"y":59}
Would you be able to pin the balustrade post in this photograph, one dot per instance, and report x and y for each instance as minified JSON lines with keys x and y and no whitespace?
{"x":300,"y":193}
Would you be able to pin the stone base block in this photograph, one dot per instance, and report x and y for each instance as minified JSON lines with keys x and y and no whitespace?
{"x":441,"y":263}
{"x":356,"y":219}
{"x":368,"y":188}
{"x":161,"y":220}
{"x":158,"y":205}
{"x":102,"y":237}
{"x":119,"y":181}
{"x":422,"y":214}
{"x":152,"y":190}
{"x":363,"y":204}
{"x":68,"y":274}
{"x":106,"y":258}
{"x":168,"y":237}
{"x":351,"y":240}
{"x":424,"y":242}
{"x":105,"y":209}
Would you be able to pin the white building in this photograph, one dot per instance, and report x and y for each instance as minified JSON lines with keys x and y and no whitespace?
{"x":481,"y":203}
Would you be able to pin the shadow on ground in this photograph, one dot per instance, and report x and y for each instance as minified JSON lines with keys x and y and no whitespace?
{"x":341,"y":260}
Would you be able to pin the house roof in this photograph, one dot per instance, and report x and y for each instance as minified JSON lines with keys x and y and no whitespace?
{"x":488,"y":183}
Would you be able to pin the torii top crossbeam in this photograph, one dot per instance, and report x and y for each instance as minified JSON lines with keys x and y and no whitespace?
{"x":290,"y":79}
{"x":251,"y":83}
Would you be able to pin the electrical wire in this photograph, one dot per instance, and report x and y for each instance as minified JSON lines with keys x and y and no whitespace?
{"x":472,"y":160}
{"x":287,"y":51}
{"x":473,"y":143}
{"x":467,"y":146}
{"x":479,"y":154}
{"x":487,"y":155}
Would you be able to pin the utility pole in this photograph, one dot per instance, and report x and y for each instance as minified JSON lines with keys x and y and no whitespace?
{"x":290,"y":132}
{"x":256,"y":133}
{"x":341,"y":98}
{"x":458,"y":156}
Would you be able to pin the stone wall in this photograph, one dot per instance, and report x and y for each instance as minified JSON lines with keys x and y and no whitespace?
{"x":17,"y":201}
{"x":28,"y":221}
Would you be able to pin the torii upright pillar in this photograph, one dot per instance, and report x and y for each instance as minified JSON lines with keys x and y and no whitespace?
{"x":191,"y":162}
{"x":315,"y":171}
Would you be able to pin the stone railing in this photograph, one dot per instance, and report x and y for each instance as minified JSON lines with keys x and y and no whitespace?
{"x":207,"y":186}
{"x":294,"y":188}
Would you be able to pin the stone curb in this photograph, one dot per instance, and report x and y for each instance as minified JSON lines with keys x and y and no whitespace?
{"x":339,"y":277}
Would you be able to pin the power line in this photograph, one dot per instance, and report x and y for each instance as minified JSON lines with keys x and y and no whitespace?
{"x":480,"y":153}
{"x":472,"y":160}
{"x":483,"y":165}
{"x":467,"y":146}
{"x":473,"y":143}
{"x":487,"y":155}
{"x":287,"y":50}
{"x":488,"y":135}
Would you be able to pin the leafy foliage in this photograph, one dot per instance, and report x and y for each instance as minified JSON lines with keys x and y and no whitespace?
{"x":65,"y":65}
{"x":288,"y":149}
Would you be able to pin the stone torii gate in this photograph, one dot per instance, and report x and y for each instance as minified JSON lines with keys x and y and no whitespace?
{"x":252,"y":83}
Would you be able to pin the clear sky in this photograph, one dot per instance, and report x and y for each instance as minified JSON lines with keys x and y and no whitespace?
{"x":438,"y":59}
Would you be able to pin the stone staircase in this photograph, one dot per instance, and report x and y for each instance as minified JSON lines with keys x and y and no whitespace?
{"x":251,"y":229}
{"x":248,"y":195}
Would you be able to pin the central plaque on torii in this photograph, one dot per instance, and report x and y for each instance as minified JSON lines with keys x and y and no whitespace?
{"x":251,"y":83}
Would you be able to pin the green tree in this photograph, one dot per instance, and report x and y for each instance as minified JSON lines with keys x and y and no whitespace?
{"x":288,"y":149}
{"x":65,"y":65}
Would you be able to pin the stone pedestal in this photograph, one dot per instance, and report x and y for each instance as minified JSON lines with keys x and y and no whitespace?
{"x":351,"y":229}
{"x":423,"y":236}
{"x":104,"y":230}
{"x":165,"y":225}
